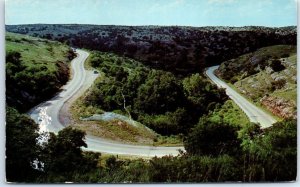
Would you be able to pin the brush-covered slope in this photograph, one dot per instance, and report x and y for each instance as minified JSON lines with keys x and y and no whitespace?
{"x":35,"y":69}
{"x":267,"y":76}
{"x":176,"y":49}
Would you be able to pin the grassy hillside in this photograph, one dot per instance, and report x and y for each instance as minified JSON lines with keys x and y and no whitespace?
{"x":267,"y":76}
{"x":35,"y":69}
{"x":177,"y":49}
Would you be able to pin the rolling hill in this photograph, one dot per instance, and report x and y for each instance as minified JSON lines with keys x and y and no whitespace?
{"x":177,"y":49}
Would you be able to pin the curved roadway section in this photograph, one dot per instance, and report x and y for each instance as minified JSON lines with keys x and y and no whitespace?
{"x":50,"y":116}
{"x":254,"y":113}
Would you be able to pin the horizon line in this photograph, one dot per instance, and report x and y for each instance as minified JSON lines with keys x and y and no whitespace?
{"x":148,"y":25}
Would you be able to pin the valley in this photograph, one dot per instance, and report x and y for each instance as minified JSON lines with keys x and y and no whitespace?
{"x":111,"y":103}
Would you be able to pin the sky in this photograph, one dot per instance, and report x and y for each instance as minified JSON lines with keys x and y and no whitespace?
{"x":272,"y":13}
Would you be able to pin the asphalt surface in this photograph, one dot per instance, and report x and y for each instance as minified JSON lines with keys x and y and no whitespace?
{"x":52,"y":115}
{"x":254,"y":113}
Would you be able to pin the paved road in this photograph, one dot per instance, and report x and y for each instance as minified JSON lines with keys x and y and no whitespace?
{"x":254,"y":113}
{"x":52,"y":115}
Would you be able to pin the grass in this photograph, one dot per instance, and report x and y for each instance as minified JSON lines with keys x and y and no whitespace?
{"x":254,"y":103}
{"x":117,"y":130}
{"x":37,"y":51}
{"x":263,"y":82}
{"x":80,"y":109}
{"x":293,"y":59}
{"x":288,"y":94}
{"x":173,"y":140}
{"x":87,"y":64}
{"x":105,"y":156}
{"x":229,"y":113}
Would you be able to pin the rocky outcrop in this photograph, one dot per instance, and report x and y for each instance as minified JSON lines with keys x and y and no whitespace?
{"x":280,"y":107}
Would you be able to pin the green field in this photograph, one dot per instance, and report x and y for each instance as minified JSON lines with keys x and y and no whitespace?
{"x":37,"y":51}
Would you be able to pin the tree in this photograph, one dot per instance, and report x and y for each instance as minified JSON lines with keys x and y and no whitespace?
{"x":134,"y":81}
{"x":111,"y":162}
{"x":170,"y":123}
{"x":13,"y":57}
{"x":21,"y":146}
{"x":160,"y":93}
{"x":96,"y":60}
{"x":201,"y":93}
{"x":63,"y":152}
{"x":13,"y":65}
{"x":276,"y":65}
{"x":212,"y":138}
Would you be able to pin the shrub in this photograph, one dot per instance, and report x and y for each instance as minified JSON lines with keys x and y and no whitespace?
{"x":276,"y":65}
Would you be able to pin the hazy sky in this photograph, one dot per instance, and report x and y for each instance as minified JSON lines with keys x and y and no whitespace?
{"x":154,"y":12}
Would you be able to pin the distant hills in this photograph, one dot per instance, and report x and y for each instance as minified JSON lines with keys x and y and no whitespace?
{"x":174,"y":48}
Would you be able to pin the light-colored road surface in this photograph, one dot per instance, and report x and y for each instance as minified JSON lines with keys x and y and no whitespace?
{"x":254,"y":113}
{"x":52,"y":115}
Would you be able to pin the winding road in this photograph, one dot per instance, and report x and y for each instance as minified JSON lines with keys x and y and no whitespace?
{"x":254,"y":113}
{"x":53,"y":116}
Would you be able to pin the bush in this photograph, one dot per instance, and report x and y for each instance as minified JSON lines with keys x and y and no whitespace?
{"x":285,"y":55}
{"x":211,"y":138}
{"x":278,"y":84}
{"x":276,"y":65}
{"x":194,"y":169}
{"x":271,"y":154}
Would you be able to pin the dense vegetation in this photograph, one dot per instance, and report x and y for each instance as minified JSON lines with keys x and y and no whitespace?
{"x":28,"y":158}
{"x":166,"y":103}
{"x":176,"y":49}
{"x":30,"y":63}
{"x":248,"y":155}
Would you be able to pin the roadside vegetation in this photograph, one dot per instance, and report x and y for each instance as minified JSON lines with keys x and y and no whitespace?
{"x":268,"y":77}
{"x":216,"y":152}
{"x":229,"y":113}
{"x":35,"y":69}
